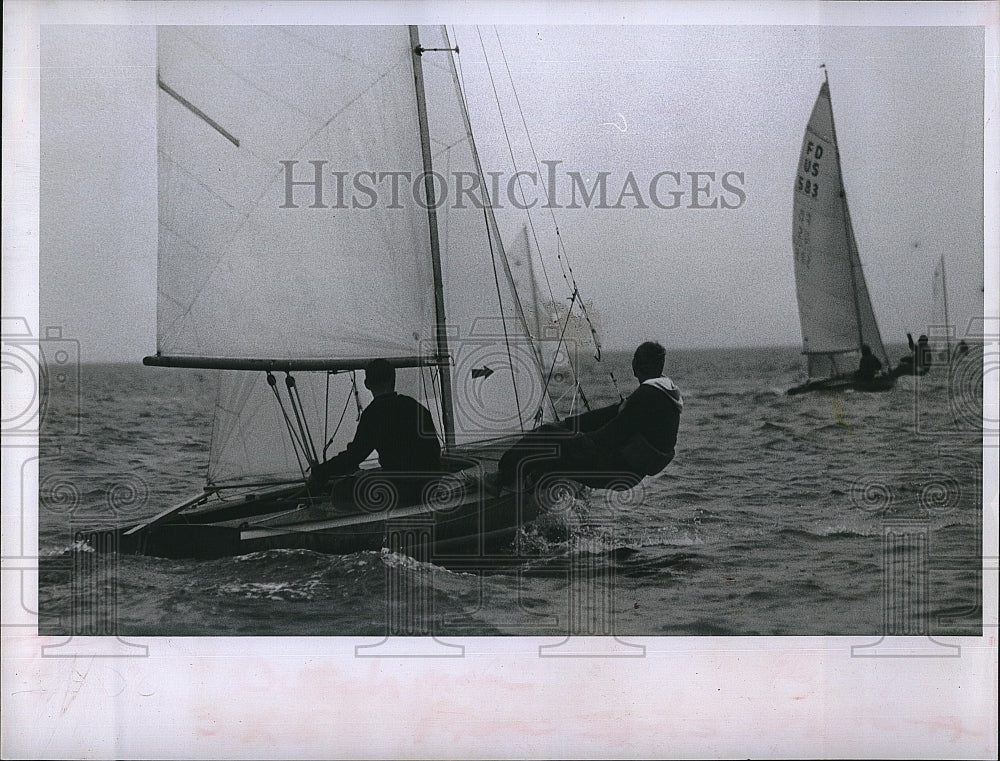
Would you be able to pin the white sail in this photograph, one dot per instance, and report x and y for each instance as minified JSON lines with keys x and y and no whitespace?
{"x":251,"y":267}
{"x":241,"y":273}
{"x":835,"y":310}
{"x":254,"y":442}
{"x":522,"y":268}
{"x":938,"y":328}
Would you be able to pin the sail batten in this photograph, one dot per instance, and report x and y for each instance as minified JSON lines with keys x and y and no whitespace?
{"x":197,"y":112}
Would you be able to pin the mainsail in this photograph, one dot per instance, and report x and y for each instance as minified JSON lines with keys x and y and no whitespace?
{"x":242,"y":273}
{"x":270,"y":253}
{"x":835,"y":309}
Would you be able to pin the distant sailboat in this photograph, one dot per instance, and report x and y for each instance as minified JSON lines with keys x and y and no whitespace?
{"x":273,"y":276}
{"x":939,"y":327}
{"x":561,"y":335}
{"x":835,"y":309}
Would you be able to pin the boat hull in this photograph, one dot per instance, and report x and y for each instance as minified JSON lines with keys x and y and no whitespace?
{"x":474,"y":525}
{"x":846,"y":383}
{"x":453,"y":516}
{"x":453,"y":513}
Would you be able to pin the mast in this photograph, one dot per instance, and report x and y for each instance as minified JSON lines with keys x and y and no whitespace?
{"x":447,"y":404}
{"x":847,"y":214}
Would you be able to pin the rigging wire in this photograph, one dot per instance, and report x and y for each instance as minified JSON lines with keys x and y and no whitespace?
{"x":491,"y":230}
{"x":300,"y":417}
{"x":576,"y":381}
{"x":563,"y":258}
{"x":426,"y":398}
{"x":561,"y":252}
{"x":296,"y":444}
{"x":343,"y":414}
{"x":520,"y":186}
{"x":354,"y":390}
{"x":510,"y":150}
{"x":615,"y":381}
{"x":326,"y":413}
{"x":506,"y":337}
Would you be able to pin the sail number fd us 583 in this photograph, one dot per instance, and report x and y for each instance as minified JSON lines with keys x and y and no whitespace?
{"x":810,"y":168}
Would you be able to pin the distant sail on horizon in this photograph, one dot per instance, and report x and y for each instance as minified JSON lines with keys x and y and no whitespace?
{"x":939,"y":328}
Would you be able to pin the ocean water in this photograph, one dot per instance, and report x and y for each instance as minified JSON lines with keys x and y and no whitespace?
{"x":819,"y":514}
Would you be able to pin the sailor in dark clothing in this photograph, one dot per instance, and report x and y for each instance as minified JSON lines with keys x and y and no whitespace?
{"x":918,"y":361}
{"x":869,"y":366}
{"x":398,"y":427}
{"x":621,"y":443}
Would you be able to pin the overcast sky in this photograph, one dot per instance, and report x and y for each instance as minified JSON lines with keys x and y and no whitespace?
{"x":908,"y":104}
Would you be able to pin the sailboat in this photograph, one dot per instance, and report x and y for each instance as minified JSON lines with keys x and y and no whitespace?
{"x":835,"y":309}
{"x":287,"y":279}
{"x":939,"y":327}
{"x":554,"y":327}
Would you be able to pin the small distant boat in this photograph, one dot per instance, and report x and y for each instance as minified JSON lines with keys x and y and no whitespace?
{"x":835,"y":309}
{"x":934,"y":347}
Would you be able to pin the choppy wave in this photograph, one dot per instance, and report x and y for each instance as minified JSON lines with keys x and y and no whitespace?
{"x":290,"y":591}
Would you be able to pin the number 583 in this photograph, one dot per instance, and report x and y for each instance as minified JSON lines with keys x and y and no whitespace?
{"x":809,"y":187}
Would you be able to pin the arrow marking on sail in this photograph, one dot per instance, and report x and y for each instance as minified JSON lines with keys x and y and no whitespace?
{"x":481,"y":372}
{"x":196,"y":111}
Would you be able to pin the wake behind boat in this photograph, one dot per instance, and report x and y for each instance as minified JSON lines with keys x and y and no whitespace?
{"x":835,"y":309}
{"x":287,"y":293}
